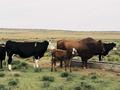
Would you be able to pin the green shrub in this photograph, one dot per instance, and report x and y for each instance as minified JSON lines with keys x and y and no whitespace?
{"x":2,"y":87}
{"x":46,"y":84}
{"x":37,"y":69}
{"x":65,"y":74}
{"x":48,"y":78}
{"x":87,"y":86}
{"x":77,"y":88}
{"x":2,"y":74}
{"x":58,"y":88}
{"x":69,"y":78}
{"x":16,"y":62}
{"x":16,"y":74}
{"x":20,"y":65}
{"x":93,"y":76}
{"x":83,"y":77}
{"x":13,"y":82}
{"x":113,"y":58}
{"x":1,"y":69}
{"x":23,"y":64}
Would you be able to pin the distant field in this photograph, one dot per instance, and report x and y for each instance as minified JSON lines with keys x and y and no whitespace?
{"x":24,"y":77}
{"x":20,"y":34}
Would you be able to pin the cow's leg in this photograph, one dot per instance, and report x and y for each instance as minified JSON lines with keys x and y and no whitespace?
{"x":100,"y":58}
{"x":65,"y":65}
{"x":70,"y":65}
{"x":1,"y":64}
{"x":55,"y":65}
{"x":52,"y":63}
{"x":86,"y":66}
{"x":36,"y":60}
{"x":9,"y":62}
{"x":82,"y":63}
{"x":61,"y":64}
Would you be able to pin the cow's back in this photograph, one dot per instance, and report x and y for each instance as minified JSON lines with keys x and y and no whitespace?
{"x":67,"y":44}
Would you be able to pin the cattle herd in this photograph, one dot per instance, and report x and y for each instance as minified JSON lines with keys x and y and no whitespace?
{"x":66,"y":49}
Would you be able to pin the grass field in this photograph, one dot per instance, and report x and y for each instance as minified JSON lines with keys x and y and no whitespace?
{"x":24,"y":77}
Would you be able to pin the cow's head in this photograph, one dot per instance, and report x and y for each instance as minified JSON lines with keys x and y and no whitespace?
{"x":100,"y":47}
{"x":74,"y":52}
{"x":51,"y":46}
{"x":108,"y":47}
{"x":2,"y":45}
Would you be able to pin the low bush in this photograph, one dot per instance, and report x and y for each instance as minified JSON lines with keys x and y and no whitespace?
{"x":46,"y":84}
{"x":13,"y":82}
{"x":2,"y":74}
{"x":113,"y":58}
{"x":93,"y":76}
{"x":37,"y":69}
{"x":2,"y":87}
{"x":48,"y":78}
{"x":20,"y":65}
{"x":17,"y":74}
{"x":65,"y":74}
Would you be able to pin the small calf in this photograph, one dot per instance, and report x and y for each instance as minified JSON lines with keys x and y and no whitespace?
{"x":58,"y":55}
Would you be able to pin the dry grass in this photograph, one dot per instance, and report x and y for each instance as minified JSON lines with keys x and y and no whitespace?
{"x":31,"y":35}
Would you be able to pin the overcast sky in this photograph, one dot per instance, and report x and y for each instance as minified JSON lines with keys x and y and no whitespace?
{"x":60,"y":14}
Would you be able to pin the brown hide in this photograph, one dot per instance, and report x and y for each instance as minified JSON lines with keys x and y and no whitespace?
{"x":58,"y":55}
{"x":86,"y":48}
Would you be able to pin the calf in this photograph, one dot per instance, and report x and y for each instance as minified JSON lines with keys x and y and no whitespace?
{"x":61,"y":55}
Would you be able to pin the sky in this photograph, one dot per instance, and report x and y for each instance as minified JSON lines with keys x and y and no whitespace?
{"x":61,"y":14}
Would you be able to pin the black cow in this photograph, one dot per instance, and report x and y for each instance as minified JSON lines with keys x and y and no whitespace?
{"x":108,"y":47}
{"x":25,"y":50}
{"x":2,"y":55}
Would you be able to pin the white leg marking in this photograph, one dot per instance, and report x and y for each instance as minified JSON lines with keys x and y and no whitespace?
{"x":36,"y":63}
{"x":114,"y":48}
{"x":9,"y":67}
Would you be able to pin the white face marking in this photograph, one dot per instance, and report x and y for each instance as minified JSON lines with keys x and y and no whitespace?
{"x":74,"y":51}
{"x":35,"y":44}
{"x":9,"y":67}
{"x":51,"y":47}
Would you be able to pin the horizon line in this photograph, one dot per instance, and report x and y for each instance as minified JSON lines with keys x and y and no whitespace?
{"x":54,"y":29}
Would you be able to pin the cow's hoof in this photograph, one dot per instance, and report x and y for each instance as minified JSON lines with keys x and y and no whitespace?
{"x":51,"y":70}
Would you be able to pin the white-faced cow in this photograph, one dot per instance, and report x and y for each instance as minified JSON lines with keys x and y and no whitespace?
{"x":86,"y":48}
{"x":25,"y":50}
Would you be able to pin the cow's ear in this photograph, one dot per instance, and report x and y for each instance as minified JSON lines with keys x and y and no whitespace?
{"x":99,"y":42}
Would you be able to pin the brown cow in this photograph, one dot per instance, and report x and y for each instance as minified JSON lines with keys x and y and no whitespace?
{"x":86,"y":48}
{"x":61,"y":55}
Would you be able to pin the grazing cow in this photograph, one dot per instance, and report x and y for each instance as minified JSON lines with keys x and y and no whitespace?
{"x":2,"y":55}
{"x":25,"y":50}
{"x":108,"y":47}
{"x":61,"y":55}
{"x":86,"y":48}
